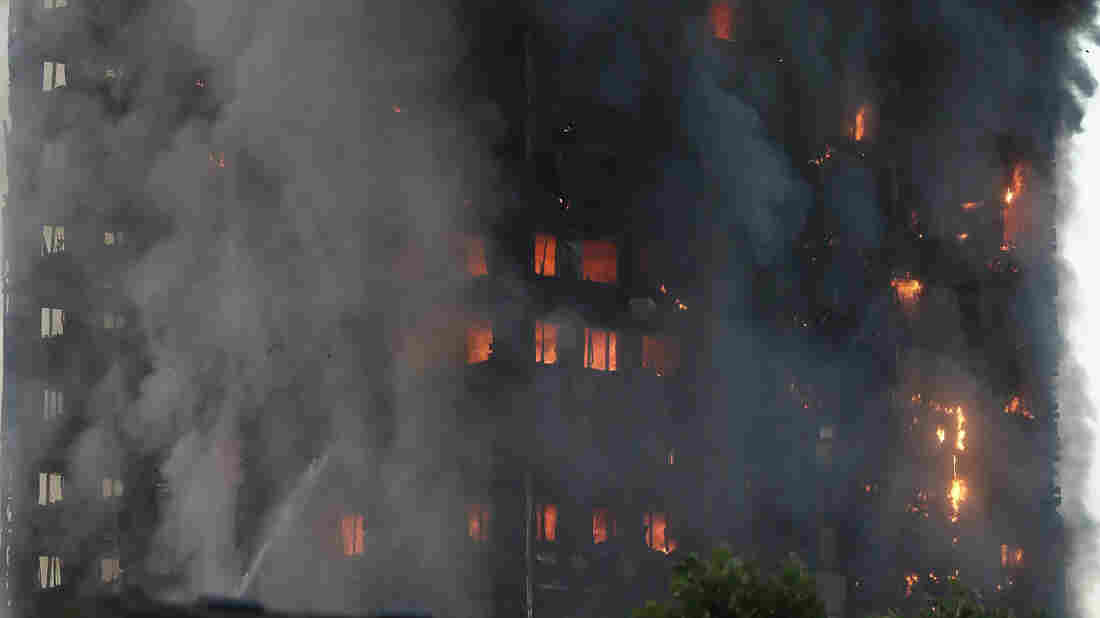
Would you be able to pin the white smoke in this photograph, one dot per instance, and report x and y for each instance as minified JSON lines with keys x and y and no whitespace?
{"x":1080,"y":376}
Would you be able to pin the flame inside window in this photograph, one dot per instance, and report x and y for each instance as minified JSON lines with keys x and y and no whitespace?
{"x":908,"y":291}
{"x":546,"y":255}
{"x":477,"y":522}
{"x":600,"y":350}
{"x":910,"y":580}
{"x":546,"y":342}
{"x":1011,"y":206}
{"x":476,"y":264}
{"x":721,"y":20}
{"x":1011,"y":556}
{"x":1016,"y":406}
{"x":660,"y":354}
{"x":546,"y":528}
{"x":603,"y":526}
{"x":479,"y":342}
{"x":352,"y":533}
{"x":656,"y":528}
{"x":860,"y":128}
{"x":599,"y":261}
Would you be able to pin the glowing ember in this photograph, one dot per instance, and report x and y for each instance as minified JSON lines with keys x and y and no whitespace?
{"x":970,"y":205}
{"x":1016,"y":406}
{"x":721,"y":20}
{"x":859,"y":130}
{"x":962,"y":236}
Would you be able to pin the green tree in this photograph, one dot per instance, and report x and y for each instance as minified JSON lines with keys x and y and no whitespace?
{"x":728,"y":587}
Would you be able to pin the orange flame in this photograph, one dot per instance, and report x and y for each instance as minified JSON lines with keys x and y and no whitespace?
{"x":1016,"y":187}
{"x":970,"y":205}
{"x":910,"y":580}
{"x":1016,"y":406}
{"x":721,"y":20}
{"x":908,"y":290}
{"x":941,"y":434}
{"x":960,"y":432}
{"x":860,"y":128}
{"x":962,"y":236}
{"x":547,"y":528}
{"x":1019,"y":556}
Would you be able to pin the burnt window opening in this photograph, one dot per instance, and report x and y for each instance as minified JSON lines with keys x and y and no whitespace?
{"x":660,"y":354}
{"x":603,"y":526}
{"x":50,"y":488}
{"x":53,"y":75}
{"x":546,"y":525}
{"x":111,"y":488}
{"x":113,"y":320}
{"x":110,"y":569}
{"x":113,"y":238}
{"x":546,"y":343}
{"x":49,"y":572}
{"x":53,"y":322}
{"x":656,"y":532}
{"x":599,"y":261}
{"x":353,"y":534}
{"x":545,"y":258}
{"x":479,"y":342}
{"x":53,"y":239}
{"x":476,"y":263}
{"x":53,"y":404}
{"x":601,"y":350}
{"x":477,"y":522}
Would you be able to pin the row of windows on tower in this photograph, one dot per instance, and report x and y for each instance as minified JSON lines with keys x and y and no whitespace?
{"x":654,"y":528}
{"x":51,"y":487}
{"x":49,"y":571}
{"x":660,"y":354}
{"x":53,"y":322}
{"x":593,"y":260}
{"x":53,"y":239}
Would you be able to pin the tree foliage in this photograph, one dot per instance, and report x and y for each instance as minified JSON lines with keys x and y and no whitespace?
{"x":726,"y":587}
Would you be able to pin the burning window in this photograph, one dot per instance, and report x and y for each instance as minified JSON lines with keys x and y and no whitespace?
{"x":1011,"y":556}
{"x":53,"y":322}
{"x":53,"y":404}
{"x":547,"y":523}
{"x":112,"y":488}
{"x":477,"y":522}
{"x":599,"y":261}
{"x":479,"y":342}
{"x":113,"y":239}
{"x":859,"y":129}
{"x":656,"y":528}
{"x":603,"y":526}
{"x":546,"y":255}
{"x":908,"y":291}
{"x":110,"y":569}
{"x":55,"y":4}
{"x":1016,"y":406}
{"x":53,"y":239}
{"x":546,"y":343}
{"x":49,"y":488}
{"x":1011,"y":205}
{"x":53,"y":75}
{"x":476,"y":263}
{"x":600,"y":350}
{"x":661,"y":354}
{"x":721,"y":20}
{"x":49,"y":572}
{"x":352,"y":533}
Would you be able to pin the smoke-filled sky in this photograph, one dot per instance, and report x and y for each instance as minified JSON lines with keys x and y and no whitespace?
{"x":263,"y":303}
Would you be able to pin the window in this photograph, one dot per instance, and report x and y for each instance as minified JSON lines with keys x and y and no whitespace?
{"x":656,"y":528}
{"x":113,"y":239}
{"x":109,"y":570}
{"x":55,"y":4}
{"x":1011,"y":556}
{"x":476,"y":263}
{"x":721,"y":20}
{"x":546,"y":528}
{"x":477,"y":522}
{"x":114,"y":321}
{"x":49,"y":572}
{"x":53,"y":322}
{"x":546,"y":343}
{"x":352,"y":533}
{"x":112,"y":488}
{"x":660,"y":354}
{"x":49,"y":488}
{"x":603,"y":526}
{"x":53,"y":404}
{"x":599,"y":261}
{"x":53,"y":239}
{"x":600,"y":350}
{"x":479,"y":342}
{"x":53,"y":75}
{"x":546,"y":255}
